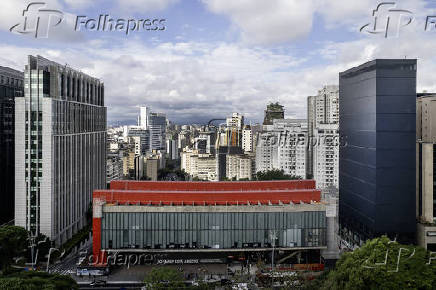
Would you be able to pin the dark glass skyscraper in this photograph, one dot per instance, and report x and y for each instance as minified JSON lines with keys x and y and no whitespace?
{"x":377,"y":165}
{"x":11,"y":85}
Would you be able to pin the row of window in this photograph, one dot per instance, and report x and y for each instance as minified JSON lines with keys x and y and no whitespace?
{"x":11,"y":81}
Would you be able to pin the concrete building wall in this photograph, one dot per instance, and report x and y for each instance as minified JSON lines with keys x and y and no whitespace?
{"x":152,"y":166}
{"x":425,"y":176}
{"x":20,"y":159}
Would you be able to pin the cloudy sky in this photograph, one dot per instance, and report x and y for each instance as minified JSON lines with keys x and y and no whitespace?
{"x":220,"y":56}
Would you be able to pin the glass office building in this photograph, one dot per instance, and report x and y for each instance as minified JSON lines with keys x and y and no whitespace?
{"x":11,"y":86}
{"x":192,"y":228}
{"x":60,"y":152}
{"x":377,"y":166}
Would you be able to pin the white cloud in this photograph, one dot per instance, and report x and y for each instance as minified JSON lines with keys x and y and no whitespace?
{"x":267,"y":22}
{"x":196,"y":81}
{"x":144,"y":5}
{"x":280,"y":21}
{"x":199,"y":80}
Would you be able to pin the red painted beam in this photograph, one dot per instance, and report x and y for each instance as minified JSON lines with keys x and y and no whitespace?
{"x":209,"y":198}
{"x":211,"y":186}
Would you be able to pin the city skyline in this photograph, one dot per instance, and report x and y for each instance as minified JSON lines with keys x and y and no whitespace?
{"x":220,"y":56}
{"x":218,"y":144}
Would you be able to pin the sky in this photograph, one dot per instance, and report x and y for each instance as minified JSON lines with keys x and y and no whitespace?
{"x":216,"y":57}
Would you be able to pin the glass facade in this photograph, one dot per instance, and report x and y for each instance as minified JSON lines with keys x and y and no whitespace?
{"x":37,"y":86}
{"x":377,"y":168}
{"x":8,"y":91}
{"x":219,"y":230}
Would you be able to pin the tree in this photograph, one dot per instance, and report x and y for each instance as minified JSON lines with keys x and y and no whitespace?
{"x":366,"y":268}
{"x":13,"y":243}
{"x":275,"y":174}
{"x":33,"y":280}
{"x":164,"y":278}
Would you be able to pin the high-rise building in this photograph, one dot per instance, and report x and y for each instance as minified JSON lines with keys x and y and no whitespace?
{"x":141,"y":137}
{"x":239,"y":166}
{"x":377,"y":166}
{"x":129,"y":162}
{"x":157,"y":126}
{"x":325,"y":153}
{"x":425,"y":173}
{"x":310,"y":129}
{"x":144,"y":114}
{"x":152,"y":167}
{"x":326,"y":110}
{"x":183,"y":139}
{"x":11,"y":86}
{"x":235,"y":121}
{"x":272,"y":112}
{"x":60,"y":148}
{"x":233,"y":131}
{"x":199,"y":166}
{"x":114,"y":167}
{"x":283,"y":146}
{"x":206,"y":141}
{"x":221,"y":158}
{"x":172,"y":150}
{"x":247,"y":139}
{"x":323,"y":143}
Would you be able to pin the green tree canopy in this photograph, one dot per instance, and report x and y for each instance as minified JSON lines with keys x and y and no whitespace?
{"x":382,"y":264}
{"x":37,"y":280}
{"x":275,"y":174}
{"x":164,"y":278}
{"x":13,"y":243}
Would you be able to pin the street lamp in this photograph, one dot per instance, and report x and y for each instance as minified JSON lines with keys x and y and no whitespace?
{"x":273,"y":237}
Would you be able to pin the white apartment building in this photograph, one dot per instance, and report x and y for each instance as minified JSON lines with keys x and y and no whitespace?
{"x":239,"y":167}
{"x":283,"y":146}
{"x":236,"y":121}
{"x":247,"y":139}
{"x":326,"y":155}
{"x":323,"y":123}
{"x":60,"y":148}
{"x":201,"y":166}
